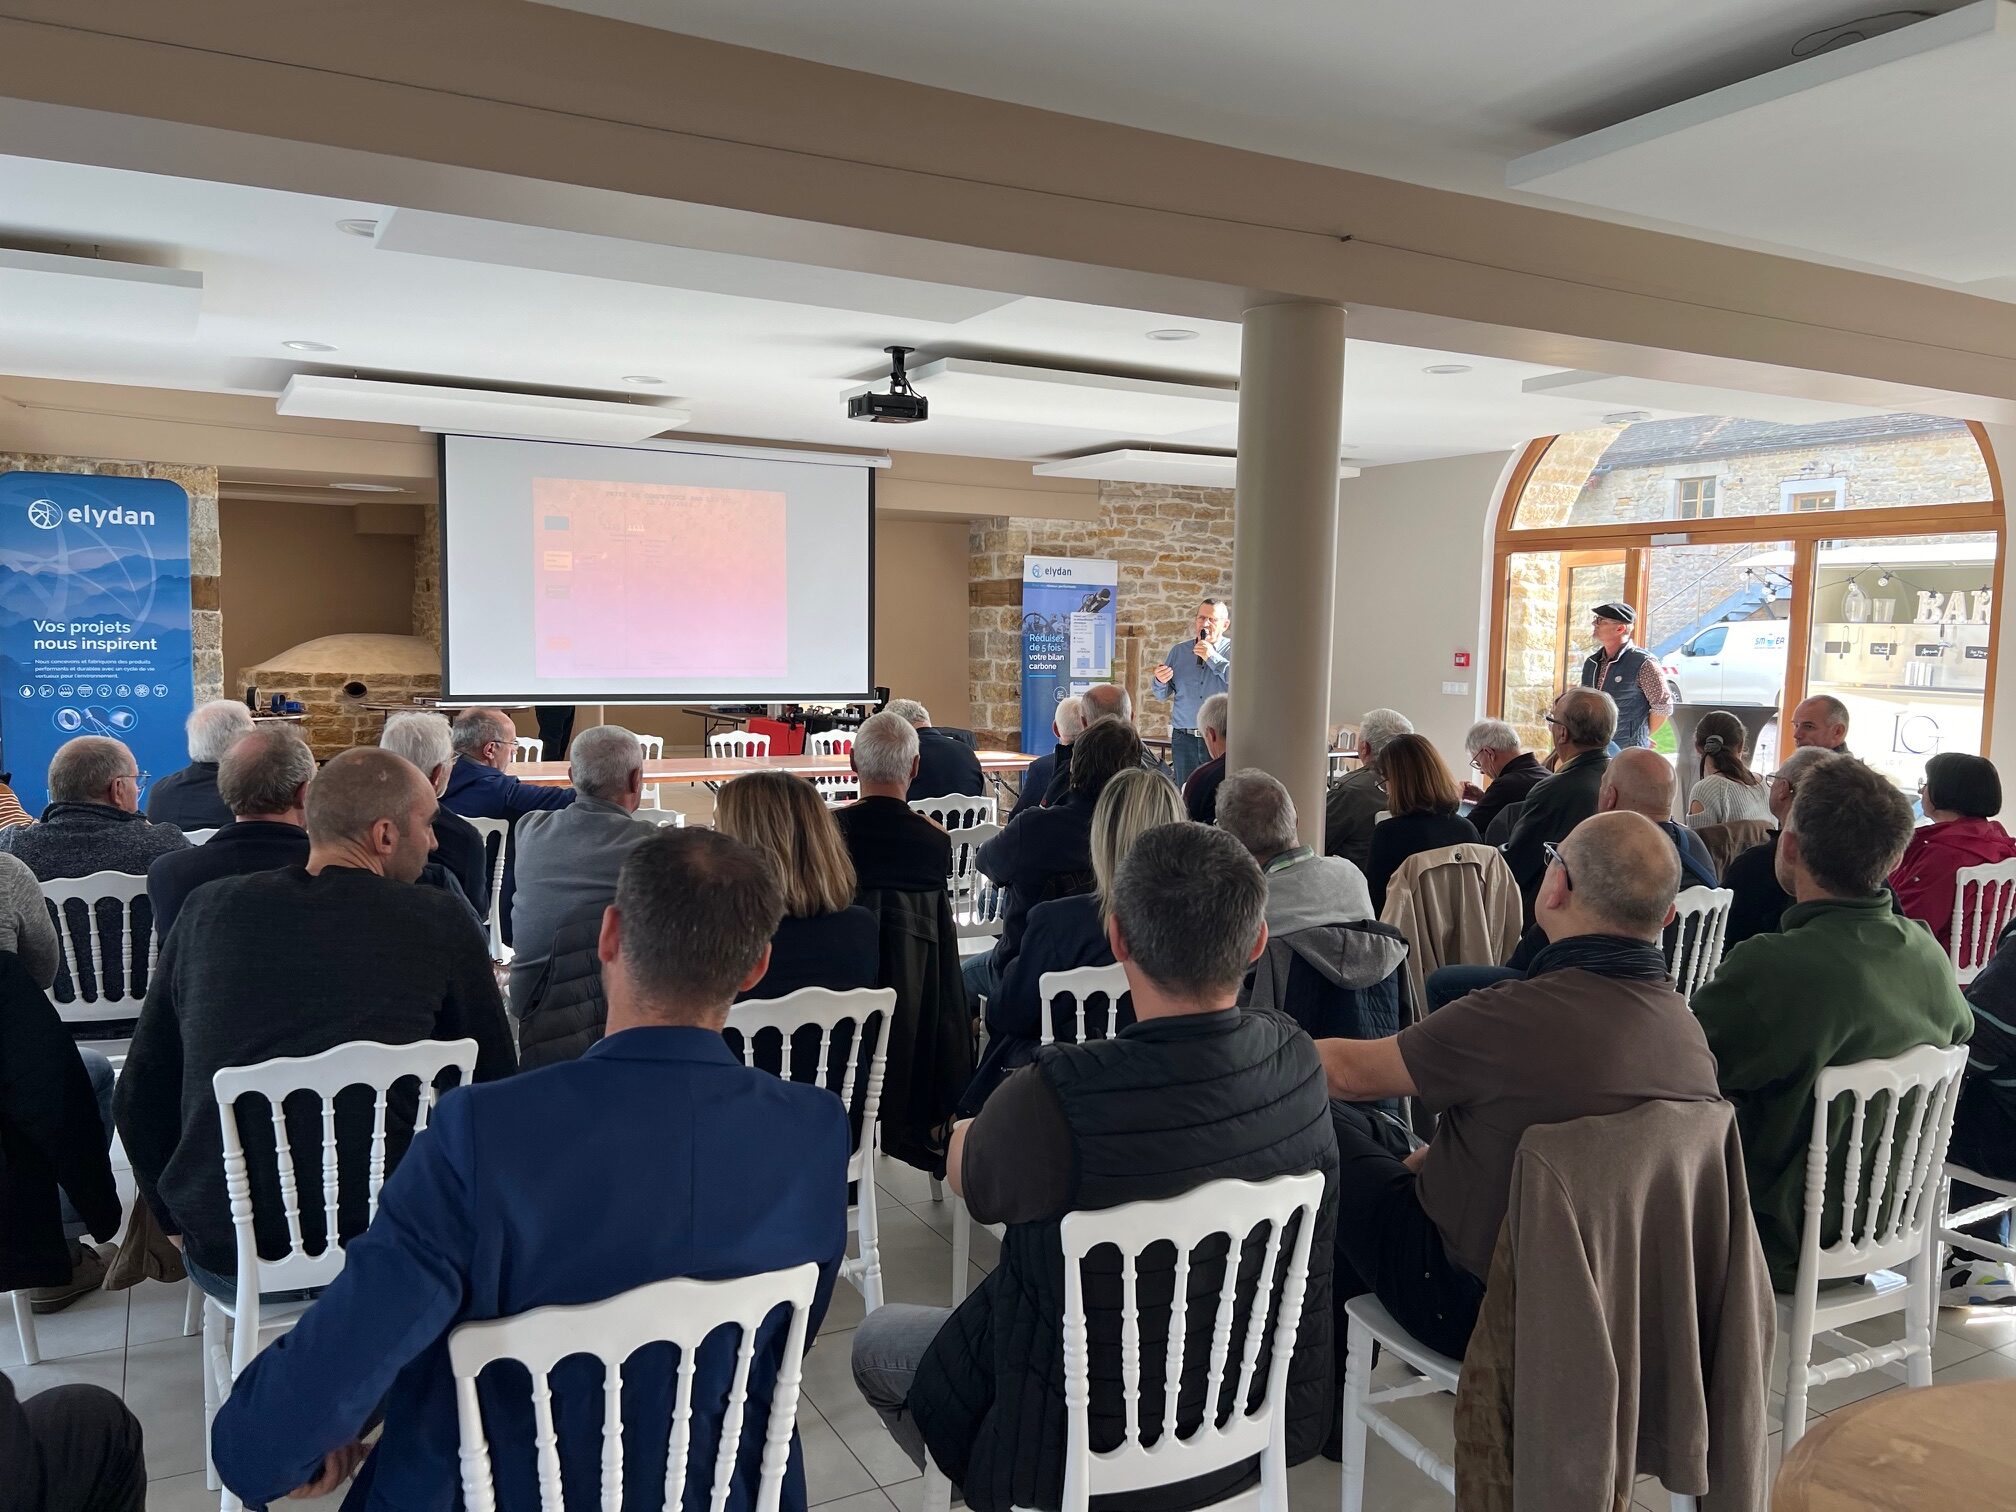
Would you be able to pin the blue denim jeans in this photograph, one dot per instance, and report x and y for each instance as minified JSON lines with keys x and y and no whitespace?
{"x":1452,"y":982}
{"x":225,"y":1288}
{"x":1187,"y":748}
{"x":99,"y":1069}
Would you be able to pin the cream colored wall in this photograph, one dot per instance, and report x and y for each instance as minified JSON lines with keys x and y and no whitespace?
{"x":1413,"y":552}
{"x":921,"y":615}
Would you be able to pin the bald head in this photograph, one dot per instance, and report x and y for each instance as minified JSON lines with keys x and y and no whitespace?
{"x":372,"y":809}
{"x":1639,"y":781}
{"x":1106,"y":700}
{"x":1618,"y":875}
{"x":485,"y":735}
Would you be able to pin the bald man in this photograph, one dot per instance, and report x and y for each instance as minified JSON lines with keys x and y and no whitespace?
{"x":1593,"y":1027}
{"x":1641,"y":781}
{"x":350,"y":949}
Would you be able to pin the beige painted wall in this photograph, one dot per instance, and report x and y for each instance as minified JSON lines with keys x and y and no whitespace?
{"x":921,"y":615}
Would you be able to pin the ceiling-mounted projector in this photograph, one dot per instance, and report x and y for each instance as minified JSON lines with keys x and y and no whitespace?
{"x":902,"y":405}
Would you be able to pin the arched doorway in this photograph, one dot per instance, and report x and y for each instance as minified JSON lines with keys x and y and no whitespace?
{"x":1767,"y":562}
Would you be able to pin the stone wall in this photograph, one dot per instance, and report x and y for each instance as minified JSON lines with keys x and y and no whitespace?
{"x":335,"y":676}
{"x":1174,"y":547}
{"x":427,"y":577}
{"x":206,"y":549}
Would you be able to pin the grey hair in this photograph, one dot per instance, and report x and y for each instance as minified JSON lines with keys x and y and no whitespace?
{"x":601,"y":760}
{"x":216,"y":726}
{"x":1800,"y":762}
{"x":264,"y":771}
{"x":421,"y":738}
{"x":1255,"y":810}
{"x":1188,"y":901}
{"x":909,"y":709}
{"x":1379,"y":728}
{"x":1624,"y":872}
{"x":1588,"y":716}
{"x":1214,"y":714}
{"x":885,"y":748}
{"x":475,"y":728}
{"x":82,"y":769}
{"x":1491,"y":735}
{"x":1106,"y":699}
{"x":1069,"y":719}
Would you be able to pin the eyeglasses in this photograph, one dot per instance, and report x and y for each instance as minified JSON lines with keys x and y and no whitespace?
{"x":138,"y":779}
{"x":1554,"y":721}
{"x":1554,"y":858}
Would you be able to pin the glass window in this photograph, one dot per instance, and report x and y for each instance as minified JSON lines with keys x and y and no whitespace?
{"x":1550,"y":596}
{"x":1709,"y":642}
{"x":1723,"y":468}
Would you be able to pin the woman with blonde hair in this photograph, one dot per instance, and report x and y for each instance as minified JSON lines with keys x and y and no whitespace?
{"x":1071,"y":931}
{"x":826,"y":939}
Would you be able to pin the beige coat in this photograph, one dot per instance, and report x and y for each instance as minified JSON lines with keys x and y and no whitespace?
{"x":1628,"y":1315}
{"x":1458,"y":906}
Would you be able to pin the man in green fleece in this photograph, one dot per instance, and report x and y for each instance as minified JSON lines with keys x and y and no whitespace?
{"x":1847,"y":980}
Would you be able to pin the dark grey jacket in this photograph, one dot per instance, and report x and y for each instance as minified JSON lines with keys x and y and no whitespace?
{"x":563,"y":1010}
{"x":77,"y":839}
{"x":1553,"y":808}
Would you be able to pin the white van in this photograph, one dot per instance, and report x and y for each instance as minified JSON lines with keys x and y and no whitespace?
{"x":1739,"y":662}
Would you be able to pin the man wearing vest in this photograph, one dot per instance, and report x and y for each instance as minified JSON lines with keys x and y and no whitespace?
{"x":1193,"y":1091}
{"x":1628,"y":675}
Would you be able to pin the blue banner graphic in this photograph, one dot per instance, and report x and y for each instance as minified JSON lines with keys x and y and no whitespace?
{"x":94,"y":620}
{"x":1069,"y":621}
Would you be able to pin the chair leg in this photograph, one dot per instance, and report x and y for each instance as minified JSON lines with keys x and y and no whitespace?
{"x":962,"y":1251}
{"x":1357,"y":1381}
{"x":24,"y":1325}
{"x":937,"y":1488}
{"x":192,"y":1310}
{"x":937,"y":1190}
{"x":213,"y":1360}
{"x":1922,"y":1311}
{"x":867,"y":1224}
{"x":1798,"y":1355}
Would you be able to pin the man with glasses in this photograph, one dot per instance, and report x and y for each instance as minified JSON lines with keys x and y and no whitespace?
{"x":1581,"y":721}
{"x":93,"y":821}
{"x":1594,"y":1027}
{"x":481,"y":785}
{"x":1753,"y":876}
{"x":1512,"y":771}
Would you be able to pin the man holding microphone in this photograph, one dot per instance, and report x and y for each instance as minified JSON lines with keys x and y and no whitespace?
{"x":1192,"y":673}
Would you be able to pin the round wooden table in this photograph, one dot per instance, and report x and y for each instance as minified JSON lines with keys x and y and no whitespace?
{"x":1928,"y":1450}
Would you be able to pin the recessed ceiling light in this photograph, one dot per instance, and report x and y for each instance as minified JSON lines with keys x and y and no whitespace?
{"x":357,"y":225}
{"x":368,"y":487}
{"x":1442,"y":369}
{"x":1625,"y":417}
{"x":1173,"y":333}
{"x":308,"y":346}
{"x":643,"y":380}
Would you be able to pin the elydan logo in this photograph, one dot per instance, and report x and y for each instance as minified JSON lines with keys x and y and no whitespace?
{"x":47,"y":514}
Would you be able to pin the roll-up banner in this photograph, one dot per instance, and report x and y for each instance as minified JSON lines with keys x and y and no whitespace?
{"x":1069,"y":621}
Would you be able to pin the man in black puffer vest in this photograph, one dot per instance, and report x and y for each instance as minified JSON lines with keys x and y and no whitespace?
{"x":1193,"y":1091}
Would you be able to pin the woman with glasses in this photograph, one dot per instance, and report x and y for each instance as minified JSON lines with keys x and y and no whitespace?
{"x":1959,"y":793}
{"x":1753,"y":875}
{"x":1725,"y":789}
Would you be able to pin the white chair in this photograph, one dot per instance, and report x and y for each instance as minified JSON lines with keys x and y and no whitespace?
{"x":738,"y":745}
{"x":653,"y":747}
{"x":1702,"y":914}
{"x":977,"y":903}
{"x":835,"y":790}
{"x":197,"y":837}
{"x":232,"y":1331}
{"x":528,"y":748}
{"x":2003,"y":1201}
{"x":679,"y":1312}
{"x":867,"y":1013}
{"x":24,"y":1327}
{"x":958,"y":812}
{"x":1890,"y":1249}
{"x":85,"y":910}
{"x":668,"y":818}
{"x":1079,"y":987}
{"x":496,"y":835}
{"x":1983,"y":898}
{"x":1234,"y":1209}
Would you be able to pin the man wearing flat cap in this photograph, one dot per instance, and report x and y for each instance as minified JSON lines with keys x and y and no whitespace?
{"x":1628,"y":675}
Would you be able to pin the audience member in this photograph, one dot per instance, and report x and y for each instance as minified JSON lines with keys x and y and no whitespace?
{"x":1984,"y":1128}
{"x":74,"y":1448}
{"x":26,"y":930}
{"x":1100,"y":701}
{"x":1421,"y":803}
{"x":1304,"y":890}
{"x":189,"y":799}
{"x":1595,"y":1027}
{"x":1036,"y":781}
{"x":364,"y":955}
{"x":1512,"y":771}
{"x":1146,"y":1114}
{"x":1753,"y":875}
{"x":92,"y":823}
{"x":677,"y":1161}
{"x":1195,"y":671}
{"x":1357,"y":801}
{"x":1960,"y":793}
{"x":263,"y":780}
{"x":1200,"y":789}
{"x":946,"y":768}
{"x":11,"y":812}
{"x":1821,"y":721}
{"x":1069,"y":932}
{"x":425,"y":739}
{"x":481,"y":787}
{"x":890,"y":843}
{"x":1048,"y":853}
{"x":1845,"y":980}
{"x":826,"y":939}
{"x":1583,"y":720}
{"x":1725,"y":789}
{"x":568,"y":858}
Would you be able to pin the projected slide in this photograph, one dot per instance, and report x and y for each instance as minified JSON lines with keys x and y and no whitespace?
{"x":659,"y":581}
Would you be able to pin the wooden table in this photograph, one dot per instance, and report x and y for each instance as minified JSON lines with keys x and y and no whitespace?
{"x":1936,"y":1449}
{"x":714,"y":770}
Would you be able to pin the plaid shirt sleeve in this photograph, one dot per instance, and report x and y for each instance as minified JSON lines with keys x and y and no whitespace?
{"x":1652,"y":683}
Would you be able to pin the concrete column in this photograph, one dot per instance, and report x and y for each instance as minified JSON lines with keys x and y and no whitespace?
{"x":1284,"y":552}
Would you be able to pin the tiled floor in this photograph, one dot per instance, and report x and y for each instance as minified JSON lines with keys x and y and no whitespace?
{"x":131,"y":1342}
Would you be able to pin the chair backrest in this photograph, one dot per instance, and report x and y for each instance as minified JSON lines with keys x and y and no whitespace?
{"x":653,"y":747}
{"x":830,"y":743}
{"x":360,"y":1063}
{"x":100,"y":932}
{"x":679,"y":1312}
{"x":1890,"y":1176}
{"x":957,"y":811}
{"x":977,"y":904}
{"x":1235,"y":1210}
{"x":528,"y":748}
{"x":496,"y":835}
{"x":1728,"y":840}
{"x":863,"y":1013}
{"x":1457,"y":905}
{"x":1694,"y":942}
{"x":197,"y":837}
{"x":676,"y":818}
{"x":1077,"y":988}
{"x":738,"y":745}
{"x":1983,"y":898}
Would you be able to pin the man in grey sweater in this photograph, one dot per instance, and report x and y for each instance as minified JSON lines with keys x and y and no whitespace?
{"x":1304,"y":890}
{"x":93,"y":822}
{"x":568,"y":858}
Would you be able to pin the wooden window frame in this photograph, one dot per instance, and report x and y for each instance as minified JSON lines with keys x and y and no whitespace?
{"x":1710,"y":495}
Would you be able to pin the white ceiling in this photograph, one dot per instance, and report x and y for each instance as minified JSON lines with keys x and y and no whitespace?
{"x":476,"y":303}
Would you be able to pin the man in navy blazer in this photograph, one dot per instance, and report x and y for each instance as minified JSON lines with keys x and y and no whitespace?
{"x":657,"y":1154}
{"x":482,"y":787}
